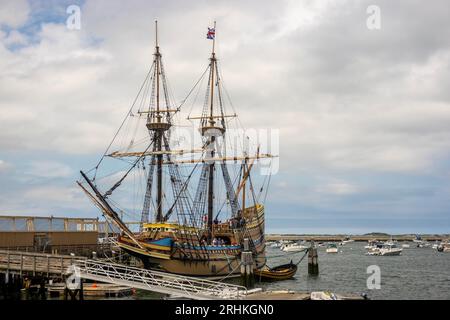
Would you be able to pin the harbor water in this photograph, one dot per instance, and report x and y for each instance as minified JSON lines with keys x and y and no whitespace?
{"x":419,"y":273}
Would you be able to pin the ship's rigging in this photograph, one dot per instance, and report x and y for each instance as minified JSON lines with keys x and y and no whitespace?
{"x":197,"y":182}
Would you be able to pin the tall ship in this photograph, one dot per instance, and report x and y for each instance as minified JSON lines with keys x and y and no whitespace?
{"x":192,"y":186}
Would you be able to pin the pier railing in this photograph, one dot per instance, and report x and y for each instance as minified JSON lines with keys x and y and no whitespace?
{"x":181,"y":286}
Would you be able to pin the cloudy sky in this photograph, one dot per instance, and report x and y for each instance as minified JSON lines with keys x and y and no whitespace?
{"x":363,"y":113}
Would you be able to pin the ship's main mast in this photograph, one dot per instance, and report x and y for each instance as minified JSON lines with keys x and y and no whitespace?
{"x":157,"y":125}
{"x":211,"y":131}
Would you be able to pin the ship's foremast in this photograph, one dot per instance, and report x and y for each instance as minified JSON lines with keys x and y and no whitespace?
{"x":157,"y":126}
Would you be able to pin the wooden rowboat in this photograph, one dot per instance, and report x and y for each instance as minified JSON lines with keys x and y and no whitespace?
{"x":282,"y":272}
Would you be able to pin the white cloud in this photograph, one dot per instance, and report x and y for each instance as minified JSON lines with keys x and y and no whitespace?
{"x":14,"y":13}
{"x":55,"y":88}
{"x":49,"y":169}
{"x":338,"y":188}
{"x":15,"y":38}
{"x":4,"y":166}
{"x":57,"y":195}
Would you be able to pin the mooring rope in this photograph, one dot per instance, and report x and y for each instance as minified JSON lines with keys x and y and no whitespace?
{"x":301,"y":259}
{"x":307,"y":250}
{"x":289,"y":253}
{"x":231,"y":272}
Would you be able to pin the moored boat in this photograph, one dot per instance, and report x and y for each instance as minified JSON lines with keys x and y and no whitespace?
{"x":444,"y":246}
{"x":332,"y":248}
{"x":385,"y":249}
{"x":293,"y":247}
{"x":282,"y":272}
{"x":390,"y":249}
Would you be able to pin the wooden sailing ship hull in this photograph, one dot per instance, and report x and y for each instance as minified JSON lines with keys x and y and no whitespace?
{"x":208,"y":260}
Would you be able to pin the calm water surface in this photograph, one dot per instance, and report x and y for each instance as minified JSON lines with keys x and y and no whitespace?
{"x":419,"y":273}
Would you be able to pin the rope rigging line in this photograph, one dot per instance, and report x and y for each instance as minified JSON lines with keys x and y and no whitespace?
{"x":123,"y":121}
{"x":118,"y":183}
{"x":193,"y":88}
{"x":183,"y":189}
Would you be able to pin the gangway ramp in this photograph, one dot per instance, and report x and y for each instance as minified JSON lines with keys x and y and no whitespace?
{"x":156,"y":281}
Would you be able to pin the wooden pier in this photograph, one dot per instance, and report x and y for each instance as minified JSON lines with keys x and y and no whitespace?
{"x":28,"y":263}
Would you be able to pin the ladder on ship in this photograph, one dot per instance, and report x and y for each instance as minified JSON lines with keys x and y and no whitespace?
{"x":156,"y":281}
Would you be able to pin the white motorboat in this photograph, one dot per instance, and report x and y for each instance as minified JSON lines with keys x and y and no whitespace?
{"x":385,"y":249}
{"x":371,"y":244}
{"x":422,"y":244}
{"x":275,"y":245}
{"x":293,"y":247}
{"x":391,"y":242}
{"x":345,"y":241}
{"x":374,"y":249}
{"x":390,"y":249}
{"x":444,"y":246}
{"x":321,"y":244}
{"x":332,"y":248}
{"x":406,"y":246}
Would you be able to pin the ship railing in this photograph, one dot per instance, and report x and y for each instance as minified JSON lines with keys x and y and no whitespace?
{"x":156,"y":281}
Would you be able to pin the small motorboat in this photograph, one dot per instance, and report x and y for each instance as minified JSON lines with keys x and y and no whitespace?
{"x":386,"y":249}
{"x":321,"y":244}
{"x":293,"y":247}
{"x":420,"y":243}
{"x":371,"y":244}
{"x":323,"y":295}
{"x":345,"y":241}
{"x":390,"y":249}
{"x":444,"y":246}
{"x":406,"y":246}
{"x":282,"y":272}
{"x":275,"y":245}
{"x":423,"y":244}
{"x":332,"y":248}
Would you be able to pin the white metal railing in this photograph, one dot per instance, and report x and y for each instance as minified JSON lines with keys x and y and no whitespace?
{"x":156,"y":281}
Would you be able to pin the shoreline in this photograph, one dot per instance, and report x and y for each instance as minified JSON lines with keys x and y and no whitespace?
{"x":359,"y":238}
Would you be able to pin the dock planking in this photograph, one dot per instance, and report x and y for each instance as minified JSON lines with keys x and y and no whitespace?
{"x":35,"y":263}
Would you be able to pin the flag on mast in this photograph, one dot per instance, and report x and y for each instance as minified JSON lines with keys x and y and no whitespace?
{"x":211,"y":33}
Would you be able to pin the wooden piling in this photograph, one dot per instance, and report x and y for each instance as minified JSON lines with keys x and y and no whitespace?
{"x":247,"y":276}
{"x":81,"y":291}
{"x":42,"y":290}
{"x":313,"y":260}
